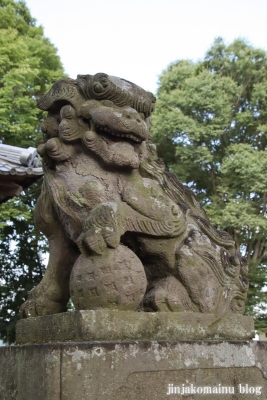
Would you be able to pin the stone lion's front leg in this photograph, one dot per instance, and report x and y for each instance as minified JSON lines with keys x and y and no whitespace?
{"x":51,"y":295}
{"x":103,"y":228}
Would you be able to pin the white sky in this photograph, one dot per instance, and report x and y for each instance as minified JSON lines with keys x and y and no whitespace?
{"x":137,"y":39}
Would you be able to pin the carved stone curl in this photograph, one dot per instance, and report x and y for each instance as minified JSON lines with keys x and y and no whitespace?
{"x":123,"y":233}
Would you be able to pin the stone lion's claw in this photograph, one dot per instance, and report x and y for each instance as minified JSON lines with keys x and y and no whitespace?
{"x":112,"y":237}
{"x":91,"y":240}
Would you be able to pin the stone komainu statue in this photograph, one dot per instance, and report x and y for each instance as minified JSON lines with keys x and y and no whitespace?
{"x":123,"y":233}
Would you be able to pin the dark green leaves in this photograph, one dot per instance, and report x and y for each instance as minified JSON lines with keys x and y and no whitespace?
{"x":210,"y":125}
{"x":28,"y":67}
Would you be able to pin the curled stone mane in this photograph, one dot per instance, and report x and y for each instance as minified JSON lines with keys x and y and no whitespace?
{"x":104,"y":87}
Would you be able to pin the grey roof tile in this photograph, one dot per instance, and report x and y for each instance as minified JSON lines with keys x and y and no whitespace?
{"x":18,"y":161}
{"x":19,"y":168}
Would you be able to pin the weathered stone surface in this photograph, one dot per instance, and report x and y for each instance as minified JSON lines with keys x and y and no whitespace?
{"x":123,"y":233}
{"x":8,"y":376}
{"x":133,"y":370}
{"x":106,"y":325}
{"x":30,"y":373}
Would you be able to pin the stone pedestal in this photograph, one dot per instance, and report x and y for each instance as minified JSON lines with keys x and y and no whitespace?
{"x":234,"y":370}
{"x":115,"y":355}
{"x":113,"y":325}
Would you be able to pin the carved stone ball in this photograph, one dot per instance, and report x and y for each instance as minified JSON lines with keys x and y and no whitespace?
{"x":114,"y":280}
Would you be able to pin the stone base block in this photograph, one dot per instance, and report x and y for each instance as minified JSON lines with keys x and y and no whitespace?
{"x":108,"y":325}
{"x":135,"y":371}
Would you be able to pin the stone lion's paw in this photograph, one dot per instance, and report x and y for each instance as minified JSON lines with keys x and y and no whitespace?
{"x":27,"y":309}
{"x":40,"y":306}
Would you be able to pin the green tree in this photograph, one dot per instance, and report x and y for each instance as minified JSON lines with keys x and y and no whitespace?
{"x":28,"y":66}
{"x":210,"y":125}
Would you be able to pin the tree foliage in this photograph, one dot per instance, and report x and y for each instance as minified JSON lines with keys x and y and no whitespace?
{"x":22,"y":253}
{"x":210,"y":125}
{"x":28,"y":66}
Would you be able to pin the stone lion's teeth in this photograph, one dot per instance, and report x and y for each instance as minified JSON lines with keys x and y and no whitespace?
{"x":105,"y":128}
{"x":134,"y":138}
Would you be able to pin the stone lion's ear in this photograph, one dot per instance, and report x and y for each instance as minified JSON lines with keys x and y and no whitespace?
{"x":148,"y":123}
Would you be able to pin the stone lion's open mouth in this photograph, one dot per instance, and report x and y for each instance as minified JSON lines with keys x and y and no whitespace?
{"x":121,"y":123}
{"x":116,"y":136}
